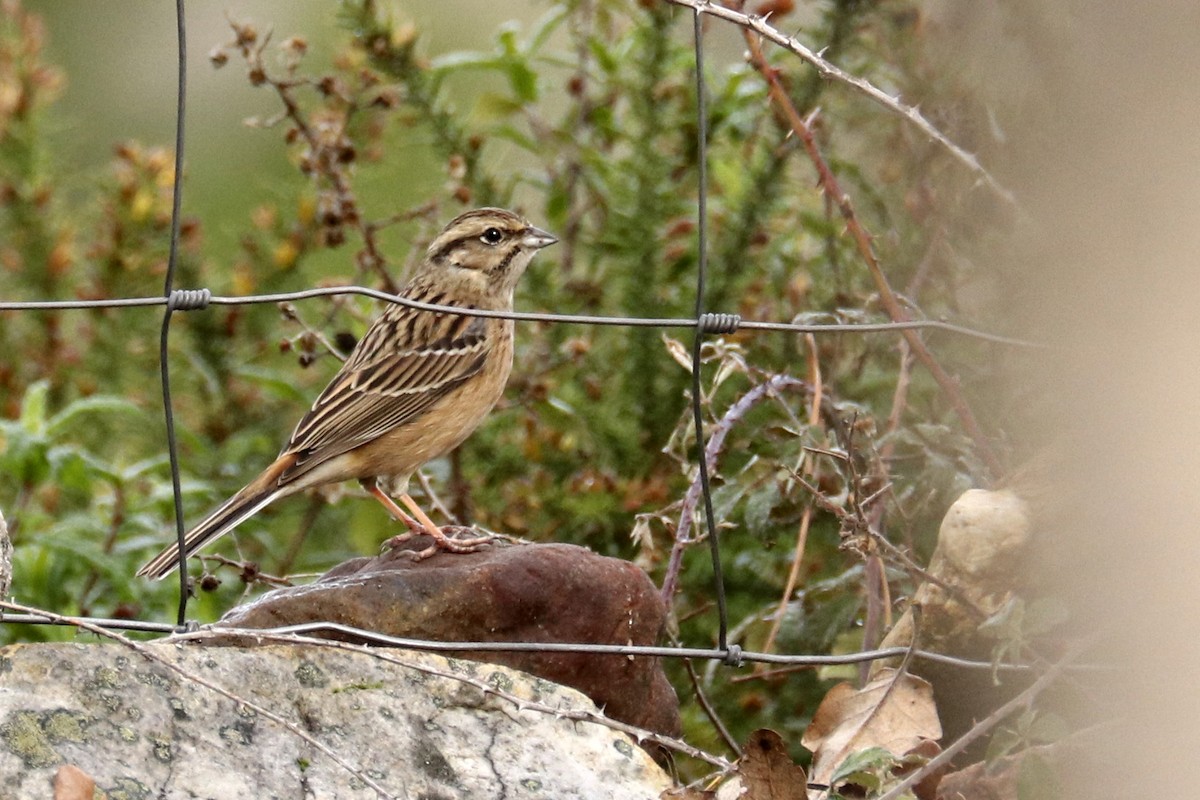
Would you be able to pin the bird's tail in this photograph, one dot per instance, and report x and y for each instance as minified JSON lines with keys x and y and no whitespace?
{"x":260,"y":492}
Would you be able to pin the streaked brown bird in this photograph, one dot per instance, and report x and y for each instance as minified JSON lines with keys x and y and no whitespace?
{"x":414,"y":388}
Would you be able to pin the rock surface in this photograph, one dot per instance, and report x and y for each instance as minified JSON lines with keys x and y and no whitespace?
{"x":980,"y":558}
{"x":515,"y":593}
{"x":418,"y":729}
{"x":979,"y":553}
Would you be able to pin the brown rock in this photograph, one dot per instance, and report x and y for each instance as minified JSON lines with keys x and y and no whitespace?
{"x":521,"y":593}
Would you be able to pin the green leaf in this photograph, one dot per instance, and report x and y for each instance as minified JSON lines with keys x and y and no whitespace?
{"x":465,"y":59}
{"x":725,"y":497}
{"x":523,"y":81}
{"x":545,"y":26}
{"x":507,"y":39}
{"x":1002,"y":743}
{"x":71,"y":470}
{"x":864,"y":768}
{"x":759,"y":505}
{"x":1048,"y":728}
{"x":279,"y":387}
{"x":97,"y":404}
{"x":494,"y":106}
{"x":604,"y":57}
{"x":33,"y":408}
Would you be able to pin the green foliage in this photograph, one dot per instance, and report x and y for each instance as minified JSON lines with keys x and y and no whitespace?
{"x":586,"y":120}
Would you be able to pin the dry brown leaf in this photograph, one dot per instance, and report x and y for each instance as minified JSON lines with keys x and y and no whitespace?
{"x":894,"y":711}
{"x":678,"y":351}
{"x":72,"y":783}
{"x":768,"y":772}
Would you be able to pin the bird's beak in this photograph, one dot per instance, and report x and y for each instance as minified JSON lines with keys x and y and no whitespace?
{"x":536,"y":238}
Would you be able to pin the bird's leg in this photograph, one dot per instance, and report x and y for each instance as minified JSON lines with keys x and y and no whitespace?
{"x":420,"y":523}
{"x":440,"y":540}
{"x":415,"y":528}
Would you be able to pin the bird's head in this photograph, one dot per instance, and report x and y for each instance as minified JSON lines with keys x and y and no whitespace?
{"x":488,"y":248}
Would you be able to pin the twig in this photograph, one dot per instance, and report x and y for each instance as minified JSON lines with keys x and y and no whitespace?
{"x":709,"y":711}
{"x":851,"y":522}
{"x":248,"y":569}
{"x":292,"y":314}
{"x":328,"y":151}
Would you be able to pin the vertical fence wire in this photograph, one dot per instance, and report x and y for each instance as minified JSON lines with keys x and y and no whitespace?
{"x":168,"y":288}
{"x":698,"y":337}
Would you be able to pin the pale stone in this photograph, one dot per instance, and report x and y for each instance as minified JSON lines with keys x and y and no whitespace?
{"x":140,"y":729}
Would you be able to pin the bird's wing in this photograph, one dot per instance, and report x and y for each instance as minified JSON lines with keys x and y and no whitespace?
{"x":406,"y":361}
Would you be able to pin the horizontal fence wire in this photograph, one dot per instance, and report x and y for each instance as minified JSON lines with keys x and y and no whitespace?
{"x":727,"y":323}
{"x":739,"y":656}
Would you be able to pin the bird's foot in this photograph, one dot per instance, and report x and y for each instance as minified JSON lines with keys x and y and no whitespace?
{"x":449,"y":538}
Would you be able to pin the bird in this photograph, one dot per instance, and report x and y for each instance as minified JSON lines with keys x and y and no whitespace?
{"x":414,"y":387}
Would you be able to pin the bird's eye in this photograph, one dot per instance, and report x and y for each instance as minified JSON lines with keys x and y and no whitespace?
{"x":492,"y":236}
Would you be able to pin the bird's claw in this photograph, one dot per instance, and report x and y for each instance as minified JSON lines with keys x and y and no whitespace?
{"x":451,"y":539}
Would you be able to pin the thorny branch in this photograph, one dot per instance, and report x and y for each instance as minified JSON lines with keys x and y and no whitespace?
{"x":830,"y":71}
{"x":862,"y":239}
{"x":716,"y":441}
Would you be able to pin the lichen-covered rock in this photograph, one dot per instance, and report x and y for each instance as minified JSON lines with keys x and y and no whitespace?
{"x":140,"y":729}
{"x":518,"y":593}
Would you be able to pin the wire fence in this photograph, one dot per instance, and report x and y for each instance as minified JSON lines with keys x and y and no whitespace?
{"x":703,"y":323}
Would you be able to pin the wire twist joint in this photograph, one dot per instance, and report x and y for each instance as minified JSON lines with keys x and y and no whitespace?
{"x":733,"y":656}
{"x":718,"y":323}
{"x":188,"y":299}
